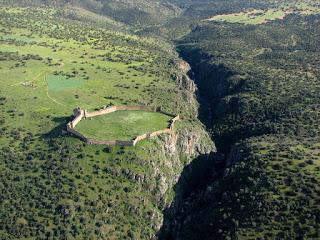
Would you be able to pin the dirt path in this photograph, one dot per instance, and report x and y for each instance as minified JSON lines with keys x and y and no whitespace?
{"x":47,"y":87}
{"x":47,"y":91}
{"x":34,"y":79}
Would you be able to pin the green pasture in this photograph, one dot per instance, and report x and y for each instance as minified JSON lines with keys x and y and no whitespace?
{"x":251,"y":17}
{"x":70,"y":73}
{"x":122,"y":125}
{"x":47,"y":68}
{"x":61,"y":83}
{"x":45,"y":72}
{"x":258,"y":16}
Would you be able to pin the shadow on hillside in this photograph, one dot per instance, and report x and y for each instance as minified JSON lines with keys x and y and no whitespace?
{"x":194,"y":178}
{"x":217,"y":92}
{"x":58,"y":130}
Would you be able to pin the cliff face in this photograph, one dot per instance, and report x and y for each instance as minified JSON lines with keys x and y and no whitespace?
{"x":209,"y":85}
{"x":217,"y":88}
{"x":211,"y":177}
{"x":181,"y":148}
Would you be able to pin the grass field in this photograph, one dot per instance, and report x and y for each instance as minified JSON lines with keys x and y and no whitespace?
{"x":251,"y":17}
{"x":50,"y":75}
{"x":60,"y":83}
{"x":122,"y":125}
{"x":258,"y":16}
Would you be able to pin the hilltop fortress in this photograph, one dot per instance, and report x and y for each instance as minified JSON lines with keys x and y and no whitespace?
{"x":79,"y":114}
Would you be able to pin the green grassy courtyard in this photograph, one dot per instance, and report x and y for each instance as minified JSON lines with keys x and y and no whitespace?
{"x":122,"y":125}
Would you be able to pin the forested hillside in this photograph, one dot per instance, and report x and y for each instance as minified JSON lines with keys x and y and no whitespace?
{"x":259,"y":88}
{"x":134,"y":13}
{"x":243,"y":162}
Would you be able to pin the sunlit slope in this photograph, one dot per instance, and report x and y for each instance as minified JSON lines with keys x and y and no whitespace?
{"x":262,"y":16}
{"x":53,"y":185}
{"x":66,"y":66}
{"x":111,"y":12}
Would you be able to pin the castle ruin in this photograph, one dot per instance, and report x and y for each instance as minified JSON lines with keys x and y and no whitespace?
{"x":80,"y":114}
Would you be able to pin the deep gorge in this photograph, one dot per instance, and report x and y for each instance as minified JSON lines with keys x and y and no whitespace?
{"x":256,"y":111}
{"x":212,"y":85}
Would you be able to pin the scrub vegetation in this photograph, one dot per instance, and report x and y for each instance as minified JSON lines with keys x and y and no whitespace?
{"x":255,"y":67}
{"x":261,"y":16}
{"x":54,"y":186}
{"x":261,"y":86}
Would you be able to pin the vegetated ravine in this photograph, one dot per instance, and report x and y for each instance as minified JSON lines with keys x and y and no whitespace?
{"x":261,"y":108}
{"x":192,"y":197}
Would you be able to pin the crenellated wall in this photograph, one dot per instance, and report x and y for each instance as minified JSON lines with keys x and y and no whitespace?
{"x":79,"y":114}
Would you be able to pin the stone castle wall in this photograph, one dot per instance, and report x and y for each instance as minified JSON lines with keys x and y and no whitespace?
{"x":79,"y":114}
{"x":100,"y":112}
{"x":77,"y":119}
{"x":118,"y":108}
{"x":140,"y":138}
{"x":70,"y":129}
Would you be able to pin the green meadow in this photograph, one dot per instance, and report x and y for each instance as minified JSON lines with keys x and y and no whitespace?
{"x":243,"y":162}
{"x":51,"y":76}
{"x":61,"y":83}
{"x":122,"y":125}
{"x":259,"y":16}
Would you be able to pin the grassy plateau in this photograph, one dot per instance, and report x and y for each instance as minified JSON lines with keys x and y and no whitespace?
{"x":261,"y":16}
{"x":122,"y":125}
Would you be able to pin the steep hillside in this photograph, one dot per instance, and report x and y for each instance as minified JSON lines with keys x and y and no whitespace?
{"x":194,"y":12}
{"x":133,"y":13}
{"x":140,"y":12}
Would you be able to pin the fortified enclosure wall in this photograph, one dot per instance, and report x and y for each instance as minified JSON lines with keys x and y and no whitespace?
{"x":79,"y":114}
{"x":111,"y":109}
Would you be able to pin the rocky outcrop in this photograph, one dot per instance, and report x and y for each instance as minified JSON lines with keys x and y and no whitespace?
{"x":211,"y":85}
{"x":184,"y":80}
{"x":183,"y":145}
{"x":179,"y":149}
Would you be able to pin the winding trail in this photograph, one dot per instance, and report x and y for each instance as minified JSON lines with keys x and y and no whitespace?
{"x":47,"y":88}
{"x":34,"y":79}
{"x":48,"y":95}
